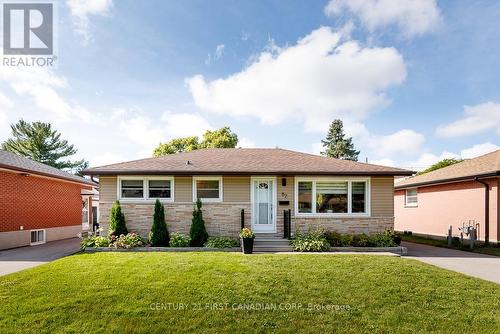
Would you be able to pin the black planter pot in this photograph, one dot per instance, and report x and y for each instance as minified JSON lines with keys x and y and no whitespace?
{"x":247,"y":245}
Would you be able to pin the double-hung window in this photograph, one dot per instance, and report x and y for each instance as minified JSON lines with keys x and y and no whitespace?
{"x":411,"y":197}
{"x":332,"y":196}
{"x":207,"y":188}
{"x":146,"y":188}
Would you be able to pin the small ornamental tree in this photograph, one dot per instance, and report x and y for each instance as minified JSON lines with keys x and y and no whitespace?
{"x":198,"y":232}
{"x":117,"y":220}
{"x":159,"y":236}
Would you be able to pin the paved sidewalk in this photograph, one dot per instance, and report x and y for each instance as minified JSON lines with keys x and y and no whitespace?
{"x":482,"y":266}
{"x":18,"y":259}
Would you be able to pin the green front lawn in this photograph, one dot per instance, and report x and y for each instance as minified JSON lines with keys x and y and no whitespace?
{"x":492,"y":249}
{"x":141,"y":292}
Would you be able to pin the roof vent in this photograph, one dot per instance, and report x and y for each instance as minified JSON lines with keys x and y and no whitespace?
{"x":189,"y":162}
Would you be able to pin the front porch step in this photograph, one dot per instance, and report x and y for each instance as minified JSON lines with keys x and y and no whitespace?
{"x":271,"y":245}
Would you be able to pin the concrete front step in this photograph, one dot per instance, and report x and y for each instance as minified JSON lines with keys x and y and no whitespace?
{"x":271,"y":243}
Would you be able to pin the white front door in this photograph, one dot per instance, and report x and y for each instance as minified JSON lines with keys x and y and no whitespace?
{"x":263,"y":205}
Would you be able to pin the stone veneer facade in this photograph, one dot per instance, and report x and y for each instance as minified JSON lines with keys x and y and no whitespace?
{"x":368,"y":225}
{"x":224,"y":218}
{"x":221,"y":219}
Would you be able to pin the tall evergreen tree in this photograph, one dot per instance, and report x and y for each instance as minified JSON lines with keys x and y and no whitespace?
{"x":117,"y":224}
{"x":336,"y":144}
{"x":198,"y":232}
{"x":159,"y":233}
{"x":37,"y":141}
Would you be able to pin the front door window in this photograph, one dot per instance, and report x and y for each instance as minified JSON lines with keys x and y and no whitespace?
{"x":263,"y":205}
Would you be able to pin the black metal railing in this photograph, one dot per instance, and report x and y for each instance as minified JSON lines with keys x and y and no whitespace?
{"x":242,"y":218}
{"x":287,"y":228}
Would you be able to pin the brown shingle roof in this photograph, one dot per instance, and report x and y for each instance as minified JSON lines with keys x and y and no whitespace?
{"x":485,"y":165}
{"x":245,"y":161}
{"x":15,"y":162}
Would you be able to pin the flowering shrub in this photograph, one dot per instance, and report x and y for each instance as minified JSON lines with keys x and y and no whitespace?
{"x":247,"y":233}
{"x":222,"y":242}
{"x":179,"y":240}
{"x":127,"y":241}
{"x":312,"y":241}
{"x":94,"y":241}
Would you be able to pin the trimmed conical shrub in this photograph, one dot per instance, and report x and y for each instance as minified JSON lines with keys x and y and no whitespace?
{"x":159,"y":236}
{"x":198,"y":232}
{"x":117,"y":224}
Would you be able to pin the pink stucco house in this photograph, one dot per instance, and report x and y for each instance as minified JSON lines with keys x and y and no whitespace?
{"x":429,"y":203}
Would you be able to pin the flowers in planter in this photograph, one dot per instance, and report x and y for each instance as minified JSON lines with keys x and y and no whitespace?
{"x":179,"y":240}
{"x":247,"y":233}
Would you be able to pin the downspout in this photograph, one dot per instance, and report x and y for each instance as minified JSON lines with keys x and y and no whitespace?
{"x":486,"y":210}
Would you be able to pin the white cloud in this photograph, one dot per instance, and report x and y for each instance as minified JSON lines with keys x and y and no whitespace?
{"x":5,"y":102}
{"x":42,"y":86}
{"x":219,"y":51}
{"x":477,"y":150}
{"x":404,"y":141}
{"x":314,"y":81}
{"x":107,"y":158}
{"x":427,"y":159}
{"x":384,"y":162}
{"x":478,"y":118}
{"x":184,"y":124}
{"x":412,"y":17}
{"x":142,"y":130}
{"x":218,"y":54}
{"x":81,"y":10}
{"x":316,"y":148}
{"x":245,"y":143}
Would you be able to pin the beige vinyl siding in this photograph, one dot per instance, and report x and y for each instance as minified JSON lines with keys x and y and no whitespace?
{"x":236,"y":188}
{"x":107,"y":189}
{"x":382,"y":196}
{"x":285,"y":193}
{"x":183,"y":187}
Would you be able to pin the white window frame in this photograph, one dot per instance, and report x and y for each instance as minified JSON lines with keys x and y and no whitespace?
{"x":406,"y":198}
{"x":145,"y":186}
{"x":38,"y":242}
{"x":349,"y":181}
{"x":208,"y":178}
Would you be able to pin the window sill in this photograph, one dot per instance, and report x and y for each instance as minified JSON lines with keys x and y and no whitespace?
{"x":145,"y":201}
{"x":332,"y":215}
{"x":209,"y":200}
{"x":411,"y":206}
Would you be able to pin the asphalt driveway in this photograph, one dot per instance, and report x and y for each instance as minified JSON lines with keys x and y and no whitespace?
{"x":482,"y":266}
{"x":17,"y":259}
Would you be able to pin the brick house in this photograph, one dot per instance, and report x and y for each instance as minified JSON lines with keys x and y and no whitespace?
{"x":39,"y":203}
{"x":466,"y":192}
{"x":256,"y":188}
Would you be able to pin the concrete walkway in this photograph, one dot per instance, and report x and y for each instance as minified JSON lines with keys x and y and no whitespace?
{"x":482,"y":266}
{"x":17,"y":259}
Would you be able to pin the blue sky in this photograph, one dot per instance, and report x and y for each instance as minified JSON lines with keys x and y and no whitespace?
{"x":414,"y":81}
